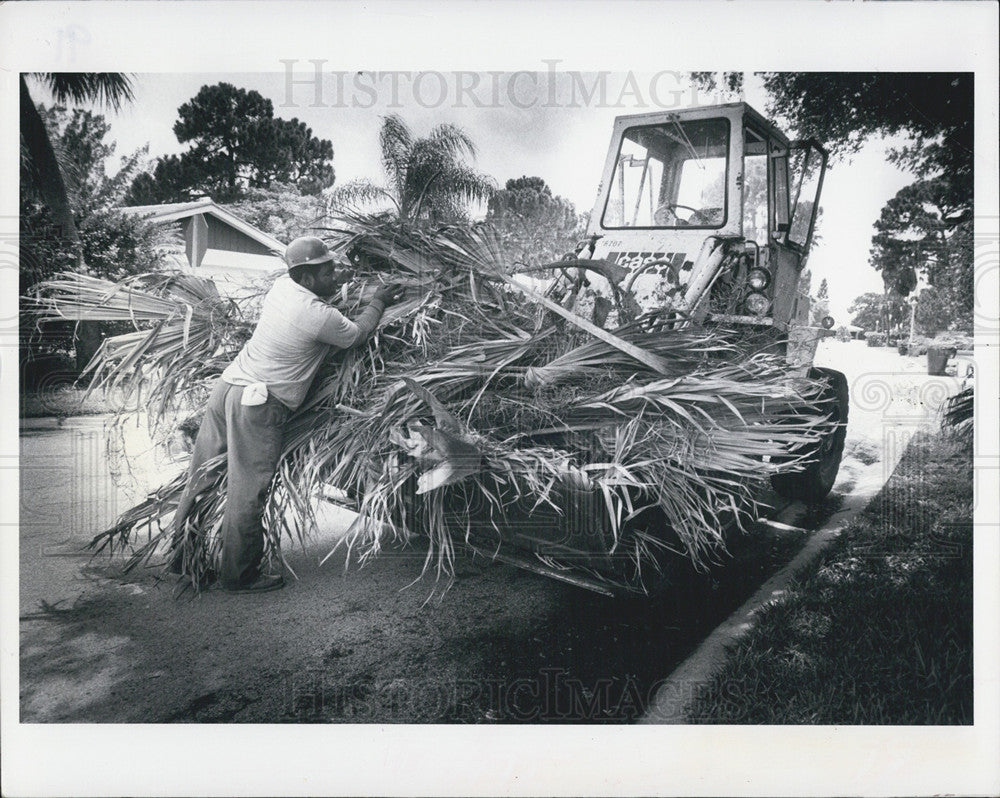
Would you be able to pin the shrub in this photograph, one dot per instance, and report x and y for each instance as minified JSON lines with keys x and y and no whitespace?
{"x":946,"y":340}
{"x":956,"y":340}
{"x":876,"y":339}
{"x":42,"y":371}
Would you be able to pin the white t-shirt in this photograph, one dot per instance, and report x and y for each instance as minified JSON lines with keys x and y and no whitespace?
{"x":294,"y":334}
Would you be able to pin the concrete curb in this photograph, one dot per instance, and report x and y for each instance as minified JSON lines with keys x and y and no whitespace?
{"x":675,"y":696}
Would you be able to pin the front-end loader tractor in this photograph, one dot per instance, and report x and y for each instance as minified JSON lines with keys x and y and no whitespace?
{"x":712,"y":212}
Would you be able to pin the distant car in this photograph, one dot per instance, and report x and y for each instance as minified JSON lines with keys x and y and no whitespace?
{"x":965,"y":367}
{"x":969,"y":379}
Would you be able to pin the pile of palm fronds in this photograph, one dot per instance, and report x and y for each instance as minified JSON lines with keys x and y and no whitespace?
{"x":479,"y":406}
{"x":184,"y":332}
{"x":958,"y":412}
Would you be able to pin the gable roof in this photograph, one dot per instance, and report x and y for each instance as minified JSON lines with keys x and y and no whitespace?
{"x":172,"y":211}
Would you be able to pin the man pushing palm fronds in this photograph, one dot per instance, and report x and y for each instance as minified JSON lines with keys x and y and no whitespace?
{"x":255,"y":395}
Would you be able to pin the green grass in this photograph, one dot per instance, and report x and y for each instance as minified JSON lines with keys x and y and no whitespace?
{"x":879,"y":630}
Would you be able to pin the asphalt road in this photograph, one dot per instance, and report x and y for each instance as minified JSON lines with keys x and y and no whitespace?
{"x":370,"y":644}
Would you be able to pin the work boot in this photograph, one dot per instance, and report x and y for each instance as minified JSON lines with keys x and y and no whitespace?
{"x":262,"y":584}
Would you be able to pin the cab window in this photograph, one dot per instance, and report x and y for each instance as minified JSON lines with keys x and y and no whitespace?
{"x":755,"y":219}
{"x":670,"y":175}
{"x":779,"y":191}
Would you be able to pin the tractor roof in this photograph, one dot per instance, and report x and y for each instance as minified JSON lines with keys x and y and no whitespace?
{"x":705,"y":112}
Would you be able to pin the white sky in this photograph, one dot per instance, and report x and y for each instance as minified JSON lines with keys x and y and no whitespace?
{"x":565,"y":144}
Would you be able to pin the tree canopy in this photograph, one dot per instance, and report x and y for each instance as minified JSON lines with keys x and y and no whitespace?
{"x":933,"y":314}
{"x":111,"y":244}
{"x":536,"y":184}
{"x":428,"y":178}
{"x":41,"y":175}
{"x":81,"y":140}
{"x":237,"y":145}
{"x":281,"y":211}
{"x":844,"y":109}
{"x":872,"y":311}
{"x":923,"y":233}
{"x":96,"y":238}
{"x":535,"y":226}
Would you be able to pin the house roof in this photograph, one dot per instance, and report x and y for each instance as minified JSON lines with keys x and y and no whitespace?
{"x":172,"y":211}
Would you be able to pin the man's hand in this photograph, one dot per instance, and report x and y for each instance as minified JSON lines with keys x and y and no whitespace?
{"x":389,"y":294}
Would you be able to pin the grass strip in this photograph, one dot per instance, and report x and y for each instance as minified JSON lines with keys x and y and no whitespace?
{"x":879,"y":629}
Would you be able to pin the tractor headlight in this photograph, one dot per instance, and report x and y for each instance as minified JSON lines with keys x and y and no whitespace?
{"x":759,"y":279}
{"x":757,"y":304}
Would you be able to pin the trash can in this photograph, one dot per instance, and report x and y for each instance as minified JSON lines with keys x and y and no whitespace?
{"x":937,"y":360}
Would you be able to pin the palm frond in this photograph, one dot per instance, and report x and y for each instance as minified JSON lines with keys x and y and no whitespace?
{"x":451,"y":188}
{"x":357,"y":194}
{"x":111,"y":89}
{"x":184,"y":332}
{"x":452,"y":141}
{"x":395,"y":144}
{"x":958,"y":412}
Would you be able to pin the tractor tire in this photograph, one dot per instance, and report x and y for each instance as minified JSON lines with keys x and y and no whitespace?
{"x":816,"y":481}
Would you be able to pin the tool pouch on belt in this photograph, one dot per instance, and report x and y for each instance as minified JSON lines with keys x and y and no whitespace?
{"x":254,"y":394}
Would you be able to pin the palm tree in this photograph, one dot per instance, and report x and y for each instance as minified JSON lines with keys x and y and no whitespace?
{"x":428,"y":181}
{"x":40,"y":165}
{"x":37,"y":153}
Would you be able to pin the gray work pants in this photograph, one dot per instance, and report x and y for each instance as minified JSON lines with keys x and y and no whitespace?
{"x":251,"y":437}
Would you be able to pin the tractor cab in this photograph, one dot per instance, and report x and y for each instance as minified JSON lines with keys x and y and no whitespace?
{"x":711,"y":210}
